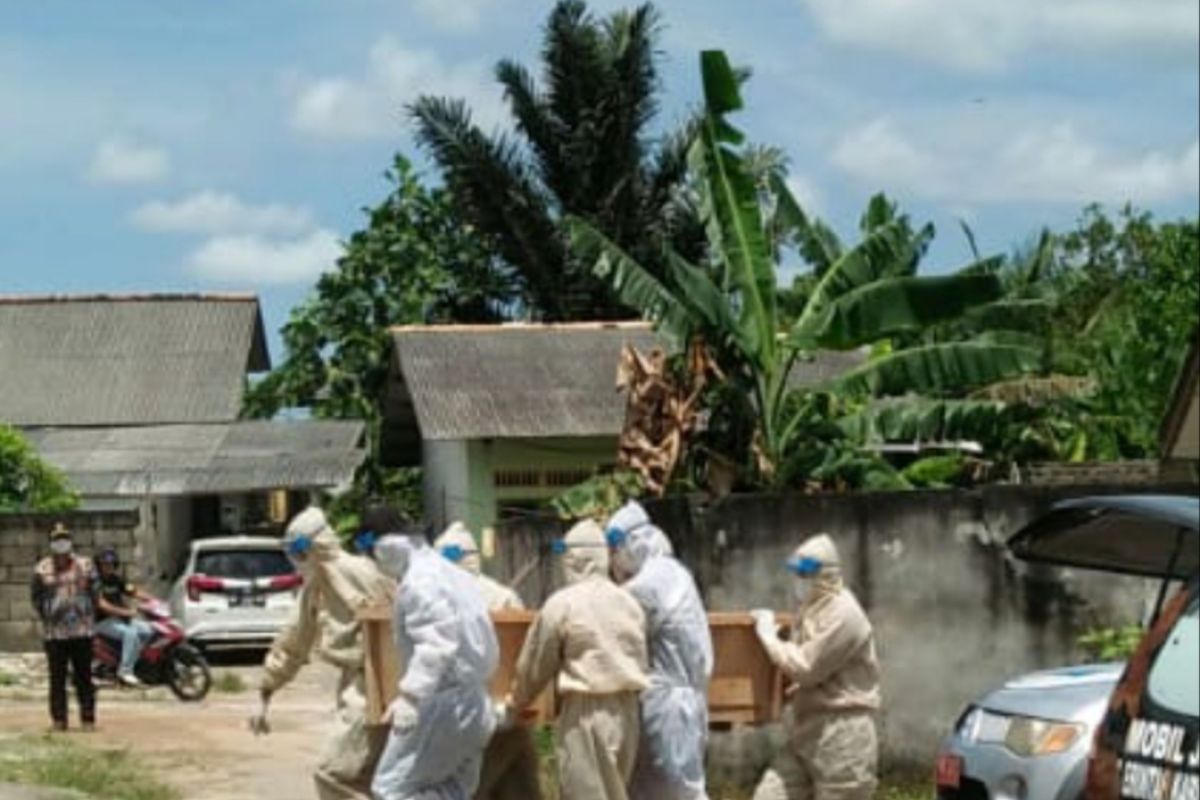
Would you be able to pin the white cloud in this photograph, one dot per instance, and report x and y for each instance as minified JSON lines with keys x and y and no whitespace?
{"x":458,"y":15}
{"x":806,"y":194}
{"x":123,"y":160}
{"x":989,"y":35}
{"x":220,"y":212}
{"x":372,"y":105}
{"x":259,"y":260}
{"x":972,"y":163}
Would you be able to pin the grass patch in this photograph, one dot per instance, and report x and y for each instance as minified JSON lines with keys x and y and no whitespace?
{"x":229,"y":683}
{"x":7,"y":679}
{"x":55,"y":762}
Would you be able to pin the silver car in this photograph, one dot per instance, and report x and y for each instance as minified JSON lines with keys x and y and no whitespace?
{"x":1028,"y":740}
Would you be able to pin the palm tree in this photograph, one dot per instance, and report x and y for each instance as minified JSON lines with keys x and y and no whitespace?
{"x":581,"y":148}
{"x":862,"y":295}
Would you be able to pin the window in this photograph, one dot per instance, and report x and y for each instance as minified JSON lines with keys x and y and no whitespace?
{"x":512,"y":478}
{"x":565,"y":478}
{"x":243,"y":564}
{"x":1173,"y":683}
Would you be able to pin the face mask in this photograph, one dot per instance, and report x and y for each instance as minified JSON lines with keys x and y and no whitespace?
{"x":61,"y":547}
{"x":802,"y":590}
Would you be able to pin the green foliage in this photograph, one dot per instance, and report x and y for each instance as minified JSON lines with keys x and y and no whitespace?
{"x":580,"y":147}
{"x":1130,"y":290}
{"x":111,"y":774}
{"x":27,"y":483}
{"x":1110,"y":644}
{"x":936,"y":472}
{"x":598,"y":497}
{"x":415,"y":262}
{"x":856,"y":296}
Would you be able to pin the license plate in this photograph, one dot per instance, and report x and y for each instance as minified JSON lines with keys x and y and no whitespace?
{"x":243,"y":600}
{"x":949,"y":772}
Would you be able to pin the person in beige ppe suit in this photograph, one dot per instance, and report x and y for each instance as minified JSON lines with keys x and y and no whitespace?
{"x":591,"y":635}
{"x":510,"y":763}
{"x":336,"y":585}
{"x":830,"y":662}
{"x":458,"y":546}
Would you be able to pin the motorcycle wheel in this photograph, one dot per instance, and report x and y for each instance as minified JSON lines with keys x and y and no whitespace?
{"x":188,"y":675}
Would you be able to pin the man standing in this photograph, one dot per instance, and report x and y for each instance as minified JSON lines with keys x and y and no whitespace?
{"x":510,"y":764}
{"x":442,"y":716}
{"x":670,"y":764}
{"x":64,"y":592}
{"x":336,"y":585}
{"x":591,"y":637}
{"x":832,"y":750}
{"x":117,"y":615}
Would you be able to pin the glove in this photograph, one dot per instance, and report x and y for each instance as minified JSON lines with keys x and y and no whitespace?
{"x":259,"y":724}
{"x":402,"y":714}
{"x":506,"y":715}
{"x":765,"y":626}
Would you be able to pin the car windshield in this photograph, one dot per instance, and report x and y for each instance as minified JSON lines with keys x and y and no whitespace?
{"x":1173,"y":683}
{"x":243,"y":564}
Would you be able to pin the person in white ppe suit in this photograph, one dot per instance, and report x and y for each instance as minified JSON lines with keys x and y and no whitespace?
{"x":336,"y":585}
{"x":670,"y":762}
{"x":830,"y":662}
{"x":510,"y":763}
{"x":591,"y":636}
{"x":442,"y":716}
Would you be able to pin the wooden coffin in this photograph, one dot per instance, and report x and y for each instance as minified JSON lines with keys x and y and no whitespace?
{"x":383,"y":667}
{"x":746,"y":688}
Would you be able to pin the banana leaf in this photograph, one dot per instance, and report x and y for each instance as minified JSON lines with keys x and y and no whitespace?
{"x":889,"y":307}
{"x":938,"y":368}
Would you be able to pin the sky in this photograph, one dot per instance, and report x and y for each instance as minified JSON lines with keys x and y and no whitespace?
{"x":230,"y":145}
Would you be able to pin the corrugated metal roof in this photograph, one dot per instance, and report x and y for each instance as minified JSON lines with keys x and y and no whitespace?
{"x":525,"y":381}
{"x":127,"y":360}
{"x":203,"y":458}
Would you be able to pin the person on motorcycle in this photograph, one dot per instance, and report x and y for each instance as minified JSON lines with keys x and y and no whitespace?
{"x":117,"y":615}
{"x":336,"y":586}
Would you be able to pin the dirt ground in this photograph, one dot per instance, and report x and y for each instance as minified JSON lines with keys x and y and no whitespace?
{"x":206,"y":750}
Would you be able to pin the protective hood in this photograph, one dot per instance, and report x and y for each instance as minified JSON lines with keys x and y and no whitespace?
{"x":586,"y":553}
{"x":643,"y":539}
{"x":394,"y":554}
{"x":311,"y":524}
{"x":457,"y":536}
{"x":821,"y":548}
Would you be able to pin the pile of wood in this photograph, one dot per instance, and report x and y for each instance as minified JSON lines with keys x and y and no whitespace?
{"x":746,"y":688}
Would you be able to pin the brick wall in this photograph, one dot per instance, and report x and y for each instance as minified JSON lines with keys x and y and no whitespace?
{"x":24,"y":539}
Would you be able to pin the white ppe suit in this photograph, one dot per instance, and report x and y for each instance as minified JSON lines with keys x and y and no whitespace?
{"x":830,"y":662}
{"x":670,"y":764}
{"x":442,"y":717}
{"x":510,"y":762}
{"x":336,"y":585}
{"x":592,"y":636}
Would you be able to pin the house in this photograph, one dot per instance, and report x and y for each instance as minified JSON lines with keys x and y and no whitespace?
{"x":504,"y":417}
{"x":1180,"y":433}
{"x":136,"y":398}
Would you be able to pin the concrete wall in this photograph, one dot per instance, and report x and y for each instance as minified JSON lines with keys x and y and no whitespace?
{"x":954,"y":615}
{"x":24,"y":540}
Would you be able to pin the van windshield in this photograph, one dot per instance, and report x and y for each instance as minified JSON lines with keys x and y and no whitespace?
{"x":1173,"y":683}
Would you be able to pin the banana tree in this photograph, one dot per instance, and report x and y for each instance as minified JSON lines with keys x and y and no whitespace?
{"x":865,"y":294}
